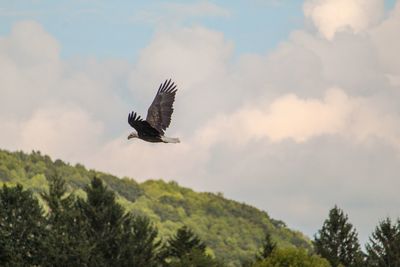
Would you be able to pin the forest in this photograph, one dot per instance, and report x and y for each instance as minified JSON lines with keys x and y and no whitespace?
{"x":56,"y":214}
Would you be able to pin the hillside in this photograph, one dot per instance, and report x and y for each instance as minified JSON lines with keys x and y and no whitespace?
{"x":232,"y":230}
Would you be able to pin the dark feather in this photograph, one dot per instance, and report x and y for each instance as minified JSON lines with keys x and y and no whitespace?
{"x":142,"y":127}
{"x":160,"y":112}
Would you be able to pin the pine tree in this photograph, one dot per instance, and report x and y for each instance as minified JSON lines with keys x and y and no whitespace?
{"x":141,"y":247}
{"x":105,"y":218}
{"x":384,"y":245}
{"x":186,"y":249}
{"x":22,"y":228}
{"x":184,"y":242}
{"x":67,"y":242}
{"x":337,"y":241}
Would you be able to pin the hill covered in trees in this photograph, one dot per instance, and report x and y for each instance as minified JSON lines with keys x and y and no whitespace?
{"x":232,"y":231}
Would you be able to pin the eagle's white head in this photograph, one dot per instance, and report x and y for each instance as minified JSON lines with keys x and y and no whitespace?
{"x":133,"y":135}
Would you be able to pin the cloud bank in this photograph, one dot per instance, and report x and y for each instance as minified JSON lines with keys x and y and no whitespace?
{"x":332,"y":16}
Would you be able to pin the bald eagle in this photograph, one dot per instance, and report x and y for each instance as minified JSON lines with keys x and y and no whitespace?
{"x":158,"y":116}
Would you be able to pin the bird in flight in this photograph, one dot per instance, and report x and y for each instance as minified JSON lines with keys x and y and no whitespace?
{"x":158,"y":116}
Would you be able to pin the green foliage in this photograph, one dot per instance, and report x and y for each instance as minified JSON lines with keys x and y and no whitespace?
{"x":232,"y":231}
{"x":384,"y":245}
{"x":105,"y":218}
{"x":90,"y":232}
{"x":268,"y":246}
{"x":194,"y":258}
{"x":337,"y":241}
{"x":186,"y":249}
{"x":125,"y":187}
{"x":292,"y":257}
{"x":19,"y":167}
{"x":141,"y":247}
{"x":183,"y":243}
{"x":67,"y":243}
{"x":22,"y":228}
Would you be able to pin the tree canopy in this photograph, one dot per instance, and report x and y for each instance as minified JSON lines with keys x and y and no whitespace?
{"x":337,"y":241}
{"x":384,"y":245}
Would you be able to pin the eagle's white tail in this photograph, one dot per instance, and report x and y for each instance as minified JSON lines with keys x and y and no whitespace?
{"x":170,"y":139}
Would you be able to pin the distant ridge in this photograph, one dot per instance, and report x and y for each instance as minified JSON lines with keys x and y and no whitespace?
{"x":231,"y":229}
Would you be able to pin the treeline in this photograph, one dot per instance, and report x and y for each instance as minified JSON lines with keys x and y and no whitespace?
{"x":96,"y":231}
{"x":337,"y":245}
{"x":337,"y":241}
{"x":232,"y":231}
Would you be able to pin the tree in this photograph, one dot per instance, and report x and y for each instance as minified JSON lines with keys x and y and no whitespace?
{"x":22,"y":228}
{"x":186,"y":249}
{"x":141,"y":247}
{"x":184,"y":242}
{"x":337,"y":241}
{"x":292,"y":257}
{"x":384,"y":245}
{"x":195,"y":258}
{"x":105,"y":218}
{"x":267,"y":248}
{"x":67,"y":243}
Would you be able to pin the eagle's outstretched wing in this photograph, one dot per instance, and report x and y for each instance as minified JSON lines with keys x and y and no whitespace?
{"x":141,"y":126}
{"x":160,"y":111}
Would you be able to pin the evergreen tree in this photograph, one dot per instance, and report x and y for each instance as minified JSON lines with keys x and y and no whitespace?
{"x":22,"y":228}
{"x":337,"y":241}
{"x":184,"y":242}
{"x":105,"y":218}
{"x":384,"y":245}
{"x":267,"y":247}
{"x":186,"y":249}
{"x":195,"y":258}
{"x":55,"y":198}
{"x":67,"y":243}
{"x":141,"y":247}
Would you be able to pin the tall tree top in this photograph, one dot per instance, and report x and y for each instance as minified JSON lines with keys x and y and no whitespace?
{"x":337,"y":240}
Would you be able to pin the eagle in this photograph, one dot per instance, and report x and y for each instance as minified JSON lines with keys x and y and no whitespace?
{"x":158,"y":116}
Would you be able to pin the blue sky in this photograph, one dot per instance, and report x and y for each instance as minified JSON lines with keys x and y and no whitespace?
{"x":105,"y":29}
{"x":288,"y":105}
{"x":117,"y":31}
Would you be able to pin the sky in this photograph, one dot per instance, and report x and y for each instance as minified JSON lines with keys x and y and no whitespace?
{"x":291,"y":106}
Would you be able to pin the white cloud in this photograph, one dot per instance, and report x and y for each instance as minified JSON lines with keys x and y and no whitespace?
{"x":63,"y":132}
{"x":135,"y":158}
{"x":54,"y":105}
{"x":290,"y":117}
{"x":386,"y":43}
{"x":29,"y":44}
{"x":299,"y":119}
{"x":68,"y":133}
{"x":34,"y":77}
{"x":30,"y":66}
{"x":192,"y":55}
{"x":331,"y":16}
